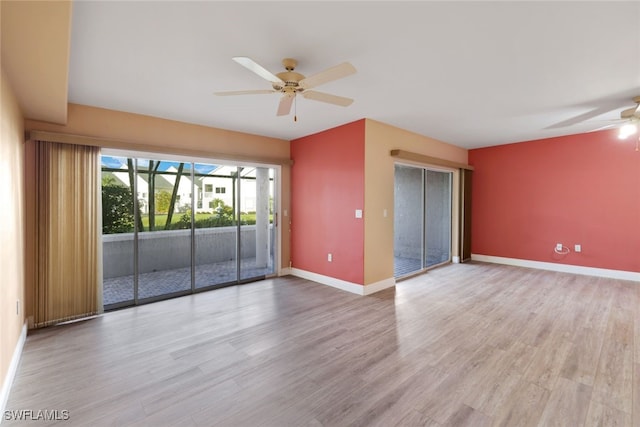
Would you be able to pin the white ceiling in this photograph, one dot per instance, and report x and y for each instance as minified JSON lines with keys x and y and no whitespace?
{"x":469,"y":73}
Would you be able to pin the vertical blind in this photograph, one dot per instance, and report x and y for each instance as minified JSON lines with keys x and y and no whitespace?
{"x":68,"y":279}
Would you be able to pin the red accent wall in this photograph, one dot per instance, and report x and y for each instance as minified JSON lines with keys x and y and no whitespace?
{"x":579,"y":189}
{"x":327,"y":186}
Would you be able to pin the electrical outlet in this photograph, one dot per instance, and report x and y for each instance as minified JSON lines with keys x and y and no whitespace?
{"x":577,"y":248}
{"x":329,"y":257}
{"x":558,"y":247}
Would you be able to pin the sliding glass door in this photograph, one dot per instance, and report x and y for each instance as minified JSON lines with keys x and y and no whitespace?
{"x":118,"y":230}
{"x":164,"y":232}
{"x":422,"y":219}
{"x":437,"y":217}
{"x":216,"y":232}
{"x":408,"y":220}
{"x":256,"y":222}
{"x":172,"y":227}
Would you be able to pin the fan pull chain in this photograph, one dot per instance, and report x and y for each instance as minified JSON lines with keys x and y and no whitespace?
{"x":295,"y":108}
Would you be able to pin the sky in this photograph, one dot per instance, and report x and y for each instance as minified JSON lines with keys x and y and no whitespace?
{"x":118,"y":162}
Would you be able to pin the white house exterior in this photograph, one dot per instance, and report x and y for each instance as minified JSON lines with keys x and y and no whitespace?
{"x":163,"y":182}
{"x":219,"y":185}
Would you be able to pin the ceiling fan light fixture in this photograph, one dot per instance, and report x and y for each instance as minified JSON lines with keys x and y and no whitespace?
{"x":627,"y":130}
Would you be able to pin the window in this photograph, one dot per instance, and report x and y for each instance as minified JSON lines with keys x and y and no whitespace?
{"x":221,"y":190}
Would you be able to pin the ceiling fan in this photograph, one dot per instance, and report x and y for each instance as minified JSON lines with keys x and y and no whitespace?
{"x":632,"y":116}
{"x":290,"y":83}
{"x":630,"y":119}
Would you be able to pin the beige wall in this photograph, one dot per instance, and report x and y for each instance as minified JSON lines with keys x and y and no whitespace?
{"x":380,"y":139}
{"x":12,"y":285}
{"x":163,"y":136}
{"x":36,"y":37}
{"x":115,"y":129}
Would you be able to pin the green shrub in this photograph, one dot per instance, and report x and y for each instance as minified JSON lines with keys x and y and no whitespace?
{"x":117,"y":209}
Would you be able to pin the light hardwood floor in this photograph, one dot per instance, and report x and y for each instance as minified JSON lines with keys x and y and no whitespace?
{"x":471,"y":344}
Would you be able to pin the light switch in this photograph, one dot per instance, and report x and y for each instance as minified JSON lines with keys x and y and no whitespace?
{"x":358,"y":213}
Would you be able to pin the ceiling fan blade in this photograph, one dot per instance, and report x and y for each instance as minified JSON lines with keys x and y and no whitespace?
{"x":285,"y":105}
{"x":605,"y":127}
{"x":637,"y":110}
{"x":244,"y":92}
{"x":251,"y":65}
{"x":328,"y":98}
{"x":628,"y":113}
{"x":334,"y":73}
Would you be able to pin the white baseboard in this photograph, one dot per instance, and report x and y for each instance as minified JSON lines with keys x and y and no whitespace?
{"x":13,"y":369}
{"x":378,"y":286}
{"x":354,"y":288}
{"x":564,"y":268}
{"x":285,"y":271}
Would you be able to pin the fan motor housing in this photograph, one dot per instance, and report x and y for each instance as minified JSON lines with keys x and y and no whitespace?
{"x":291,"y":81}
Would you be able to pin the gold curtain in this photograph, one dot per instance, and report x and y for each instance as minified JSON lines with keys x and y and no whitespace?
{"x":68,"y":276}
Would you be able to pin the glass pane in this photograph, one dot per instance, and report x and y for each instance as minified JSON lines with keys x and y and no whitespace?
{"x":408,"y":220}
{"x":438,"y":217}
{"x":164,"y":240}
{"x":117,"y":230}
{"x":216,"y":226}
{"x":256,"y":222}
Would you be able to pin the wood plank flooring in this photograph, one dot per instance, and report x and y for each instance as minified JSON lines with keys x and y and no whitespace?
{"x":463,"y":345}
